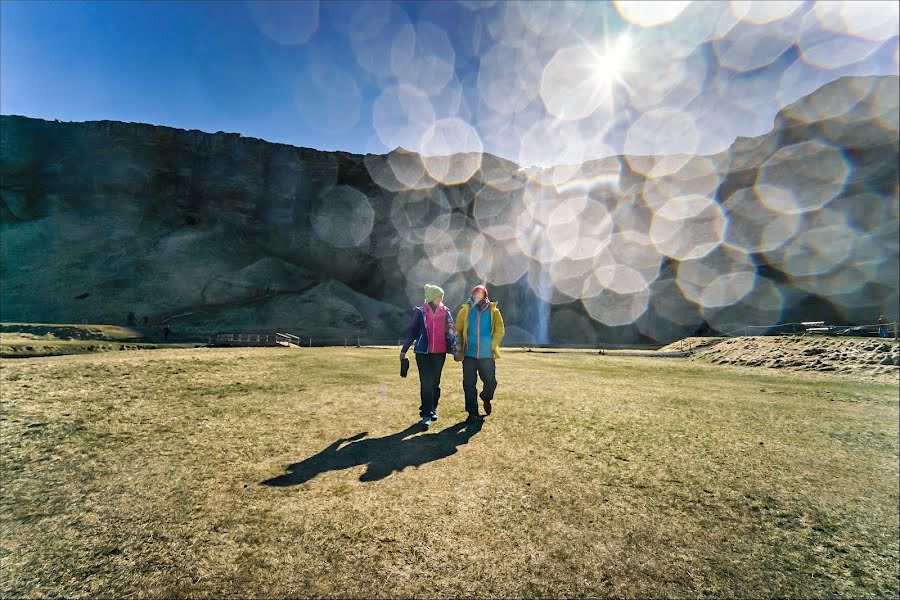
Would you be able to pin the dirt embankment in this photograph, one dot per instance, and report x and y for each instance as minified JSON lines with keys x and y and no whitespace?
{"x":870,"y":357}
{"x":691,"y":344}
{"x":62,"y":331}
{"x":25,"y":340}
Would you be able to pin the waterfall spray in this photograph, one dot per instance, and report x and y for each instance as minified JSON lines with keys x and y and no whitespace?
{"x":542,"y":307}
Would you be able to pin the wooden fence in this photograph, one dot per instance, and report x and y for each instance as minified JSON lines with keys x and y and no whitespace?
{"x":244,"y":339}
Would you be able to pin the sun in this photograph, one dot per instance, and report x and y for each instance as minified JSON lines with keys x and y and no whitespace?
{"x":582,"y":78}
{"x":611,"y":62}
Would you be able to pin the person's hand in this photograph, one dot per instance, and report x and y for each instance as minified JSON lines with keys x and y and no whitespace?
{"x":457,"y":357}
{"x":402,"y":356}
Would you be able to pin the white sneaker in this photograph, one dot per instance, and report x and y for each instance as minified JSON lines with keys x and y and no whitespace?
{"x":426,"y":422}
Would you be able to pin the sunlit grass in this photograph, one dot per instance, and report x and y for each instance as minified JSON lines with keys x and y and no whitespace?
{"x":286,"y":472}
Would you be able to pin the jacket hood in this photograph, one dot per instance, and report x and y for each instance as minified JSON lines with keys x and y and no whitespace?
{"x":471,"y":302}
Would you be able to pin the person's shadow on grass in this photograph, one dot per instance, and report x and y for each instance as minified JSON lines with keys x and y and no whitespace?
{"x":383,"y":455}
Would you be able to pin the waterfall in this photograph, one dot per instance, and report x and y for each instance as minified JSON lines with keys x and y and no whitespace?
{"x":536,"y":287}
{"x":542,"y":308}
{"x":536,"y":314}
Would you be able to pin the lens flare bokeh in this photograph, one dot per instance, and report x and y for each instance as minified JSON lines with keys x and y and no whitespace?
{"x":663,"y":166}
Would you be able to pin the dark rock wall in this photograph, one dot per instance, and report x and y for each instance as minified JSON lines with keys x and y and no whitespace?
{"x":100,"y":219}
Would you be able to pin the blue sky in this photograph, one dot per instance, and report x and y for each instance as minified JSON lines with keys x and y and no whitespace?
{"x":438,"y":76}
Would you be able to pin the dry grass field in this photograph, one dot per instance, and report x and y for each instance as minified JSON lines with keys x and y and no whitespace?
{"x":277,"y":472}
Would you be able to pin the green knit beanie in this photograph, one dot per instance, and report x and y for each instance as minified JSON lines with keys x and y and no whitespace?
{"x":433,"y":292}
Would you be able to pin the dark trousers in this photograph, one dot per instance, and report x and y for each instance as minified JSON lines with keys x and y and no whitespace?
{"x":472,"y":369}
{"x":430,"y":367}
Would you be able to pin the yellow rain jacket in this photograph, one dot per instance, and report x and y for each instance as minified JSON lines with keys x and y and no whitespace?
{"x":498,"y":330}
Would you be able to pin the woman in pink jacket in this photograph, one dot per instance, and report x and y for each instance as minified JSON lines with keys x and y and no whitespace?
{"x":432,"y":331}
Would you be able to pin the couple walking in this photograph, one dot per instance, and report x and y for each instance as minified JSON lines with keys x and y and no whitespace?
{"x":473,"y":339}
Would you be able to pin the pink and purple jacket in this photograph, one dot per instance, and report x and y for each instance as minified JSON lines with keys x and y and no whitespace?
{"x":432,"y":331}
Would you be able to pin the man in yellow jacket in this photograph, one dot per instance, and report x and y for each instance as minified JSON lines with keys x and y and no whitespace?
{"x":479,"y":328}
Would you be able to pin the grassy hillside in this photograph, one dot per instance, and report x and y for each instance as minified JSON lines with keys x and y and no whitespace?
{"x":286,"y":472}
{"x":75,"y":331}
{"x":18,"y":340}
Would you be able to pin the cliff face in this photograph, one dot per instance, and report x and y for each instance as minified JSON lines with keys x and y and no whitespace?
{"x":218,"y":232}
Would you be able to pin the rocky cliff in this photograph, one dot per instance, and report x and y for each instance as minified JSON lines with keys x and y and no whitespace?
{"x":219,"y":232}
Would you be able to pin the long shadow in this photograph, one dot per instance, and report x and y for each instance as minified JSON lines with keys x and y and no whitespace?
{"x":383,"y":456}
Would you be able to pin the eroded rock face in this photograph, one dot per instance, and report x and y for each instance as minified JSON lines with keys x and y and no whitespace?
{"x":100,"y":219}
{"x":330,"y":312}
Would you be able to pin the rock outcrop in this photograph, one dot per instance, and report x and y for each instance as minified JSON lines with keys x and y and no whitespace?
{"x":219,"y":232}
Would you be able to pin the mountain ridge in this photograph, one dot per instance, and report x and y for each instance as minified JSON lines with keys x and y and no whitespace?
{"x":399,"y":149}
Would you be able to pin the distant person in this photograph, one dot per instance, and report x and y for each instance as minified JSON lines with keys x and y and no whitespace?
{"x":431,"y":329}
{"x":166,"y":331}
{"x":882,"y":330}
{"x":480,"y":328}
{"x":130,"y":319}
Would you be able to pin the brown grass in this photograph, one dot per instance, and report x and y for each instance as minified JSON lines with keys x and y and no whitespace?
{"x":26,"y":340}
{"x":285,"y":472}
{"x":860,"y":358}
